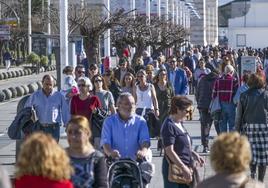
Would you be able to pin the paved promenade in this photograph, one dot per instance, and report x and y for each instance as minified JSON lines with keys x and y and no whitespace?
{"x":7,"y":146}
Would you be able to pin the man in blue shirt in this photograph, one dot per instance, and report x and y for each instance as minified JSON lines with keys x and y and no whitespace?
{"x":125,"y":134}
{"x":50,"y":106}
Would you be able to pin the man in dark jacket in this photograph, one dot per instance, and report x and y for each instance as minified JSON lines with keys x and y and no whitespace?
{"x":122,"y":70}
{"x":203,"y":98}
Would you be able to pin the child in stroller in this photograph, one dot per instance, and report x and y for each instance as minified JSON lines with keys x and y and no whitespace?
{"x":127,"y":173}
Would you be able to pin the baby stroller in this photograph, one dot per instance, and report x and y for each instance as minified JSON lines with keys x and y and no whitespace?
{"x":125,"y":173}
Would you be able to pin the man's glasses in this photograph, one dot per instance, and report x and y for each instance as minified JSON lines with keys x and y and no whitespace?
{"x":93,"y":69}
{"x":107,"y":74}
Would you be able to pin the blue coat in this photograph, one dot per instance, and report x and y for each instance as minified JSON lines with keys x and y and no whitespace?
{"x":21,"y":119}
{"x":180,"y":83}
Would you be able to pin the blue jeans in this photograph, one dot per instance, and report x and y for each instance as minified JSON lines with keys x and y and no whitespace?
{"x":53,"y":130}
{"x":228,"y":117}
{"x":168,"y":184}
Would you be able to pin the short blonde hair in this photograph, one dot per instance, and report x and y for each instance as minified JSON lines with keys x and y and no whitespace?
{"x":86,"y":81}
{"x":40,"y":155}
{"x":229,"y":69}
{"x":82,"y":123}
{"x":230,"y":153}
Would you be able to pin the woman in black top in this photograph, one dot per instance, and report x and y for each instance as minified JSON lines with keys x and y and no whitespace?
{"x":88,"y":163}
{"x":177,"y":142}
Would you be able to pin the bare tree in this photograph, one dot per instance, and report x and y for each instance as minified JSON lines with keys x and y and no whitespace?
{"x":138,"y":33}
{"x":92,"y":24}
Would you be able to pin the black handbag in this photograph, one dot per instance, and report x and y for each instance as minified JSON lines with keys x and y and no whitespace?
{"x":98,"y":117}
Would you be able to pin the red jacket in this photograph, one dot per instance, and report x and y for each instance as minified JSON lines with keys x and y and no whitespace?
{"x":41,"y":182}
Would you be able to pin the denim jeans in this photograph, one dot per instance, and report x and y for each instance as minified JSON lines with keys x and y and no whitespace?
{"x":168,"y":184}
{"x":228,"y":117}
{"x":53,"y":130}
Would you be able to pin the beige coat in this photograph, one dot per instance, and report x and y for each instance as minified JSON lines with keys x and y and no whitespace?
{"x":229,"y":181}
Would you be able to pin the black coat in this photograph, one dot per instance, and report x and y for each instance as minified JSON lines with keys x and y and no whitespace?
{"x":204,"y":90}
{"x":252,"y":108}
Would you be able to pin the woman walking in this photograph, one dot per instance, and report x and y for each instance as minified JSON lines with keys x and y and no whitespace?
{"x":252,"y":120}
{"x":89,"y":164}
{"x":146,"y":102}
{"x":177,"y":143}
{"x":85,"y":103}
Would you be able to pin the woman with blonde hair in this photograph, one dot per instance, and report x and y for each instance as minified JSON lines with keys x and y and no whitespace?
{"x":230,"y":157}
{"x":89,"y":164}
{"x":42,"y":163}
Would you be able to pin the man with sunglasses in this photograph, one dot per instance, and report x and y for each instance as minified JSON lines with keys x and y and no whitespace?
{"x":122,"y":69}
{"x":79,"y":72}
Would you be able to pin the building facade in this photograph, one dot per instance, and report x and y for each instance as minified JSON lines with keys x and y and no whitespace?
{"x":251,"y":28}
{"x":204,"y":31}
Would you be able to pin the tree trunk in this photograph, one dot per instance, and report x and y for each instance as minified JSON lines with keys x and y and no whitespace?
{"x":138,"y":53}
{"x":91,"y":44}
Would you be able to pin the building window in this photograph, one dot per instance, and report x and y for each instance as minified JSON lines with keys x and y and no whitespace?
{"x":241,"y":40}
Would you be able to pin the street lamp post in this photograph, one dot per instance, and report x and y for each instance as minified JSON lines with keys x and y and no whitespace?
{"x":63,"y":36}
{"x":173,"y":11}
{"x":148,"y":14}
{"x":166,"y":10}
{"x":48,"y":28}
{"x":29,"y":26}
{"x":177,"y":12}
{"x":159,"y":9}
{"x":107,"y":39}
{"x":133,"y":7}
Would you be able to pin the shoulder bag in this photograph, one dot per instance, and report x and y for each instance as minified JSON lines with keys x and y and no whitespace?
{"x":175,"y":174}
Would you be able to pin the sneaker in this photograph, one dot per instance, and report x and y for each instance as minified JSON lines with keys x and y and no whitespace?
{"x":206,"y":150}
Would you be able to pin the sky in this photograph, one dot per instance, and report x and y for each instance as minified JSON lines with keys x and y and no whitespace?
{"x":222,"y":2}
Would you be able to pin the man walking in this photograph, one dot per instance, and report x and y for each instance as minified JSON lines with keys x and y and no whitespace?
{"x":125,"y":134}
{"x":50,"y":106}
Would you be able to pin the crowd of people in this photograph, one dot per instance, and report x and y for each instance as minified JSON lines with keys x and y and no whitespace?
{"x":114,"y":113}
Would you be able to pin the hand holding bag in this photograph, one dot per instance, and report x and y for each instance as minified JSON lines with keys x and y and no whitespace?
{"x":176,"y":175}
{"x":215,"y":105}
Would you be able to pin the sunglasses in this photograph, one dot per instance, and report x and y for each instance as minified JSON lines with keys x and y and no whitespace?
{"x":81,"y":72}
{"x":81,"y":85}
{"x":96,"y":81}
{"x":140,"y":76}
{"x":107,"y":74}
